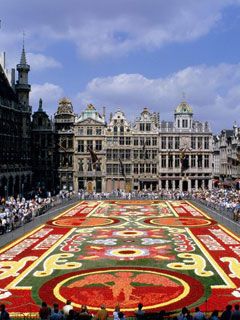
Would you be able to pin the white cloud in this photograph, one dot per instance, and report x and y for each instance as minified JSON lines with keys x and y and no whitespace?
{"x":50,"y":94}
{"x":40,"y":61}
{"x":213,"y":93}
{"x":107,"y":27}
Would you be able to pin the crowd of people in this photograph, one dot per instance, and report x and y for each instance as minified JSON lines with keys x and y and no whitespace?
{"x":15,"y":212}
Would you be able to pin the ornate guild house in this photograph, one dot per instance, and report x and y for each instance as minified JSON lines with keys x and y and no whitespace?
{"x":147,"y":154}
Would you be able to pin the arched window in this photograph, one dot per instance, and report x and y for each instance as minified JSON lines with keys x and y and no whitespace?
{"x":115,"y":130}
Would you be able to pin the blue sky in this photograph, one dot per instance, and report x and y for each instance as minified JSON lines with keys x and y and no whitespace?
{"x":130,"y":54}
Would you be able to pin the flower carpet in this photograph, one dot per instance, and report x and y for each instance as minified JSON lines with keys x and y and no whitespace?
{"x":165,"y":254}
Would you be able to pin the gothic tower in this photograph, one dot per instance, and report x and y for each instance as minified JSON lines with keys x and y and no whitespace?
{"x":22,"y":86}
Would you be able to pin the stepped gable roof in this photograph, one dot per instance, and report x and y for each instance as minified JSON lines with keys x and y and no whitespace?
{"x":6,"y":91}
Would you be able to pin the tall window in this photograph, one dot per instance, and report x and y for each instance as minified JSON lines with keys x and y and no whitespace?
{"x":81,"y":146}
{"x":141,"y":168}
{"x":170,"y":142}
{"x":80,"y":131}
{"x":115,"y":130}
{"x":184,"y":123}
{"x":90,"y":144}
{"x":200,"y":143}
{"x":193,"y":142}
{"x":142,"y":126}
{"x":206,"y":161}
{"x":98,"y":131}
{"x":109,"y":168}
{"x":177,"y":143}
{"x":148,"y":126}
{"x":128,"y":141}
{"x":128,"y":168}
{"x":164,"y":143}
{"x":206,"y":143}
{"x":154,"y":168}
{"x":154,"y":141}
{"x":148,"y":168}
{"x":89,"y":131}
{"x":164,"y":161}
{"x":109,"y":154}
{"x":122,"y":130}
{"x":135,"y":168}
{"x":128,"y":154}
{"x":135,"y":142}
{"x":148,"y":141}
{"x":98,"y":145}
{"x":170,"y":160}
{"x":177,"y":161}
{"x":80,"y":165}
{"x":121,"y":141}
{"x":154,"y":154}
{"x":193,"y":161}
{"x":135,"y":154}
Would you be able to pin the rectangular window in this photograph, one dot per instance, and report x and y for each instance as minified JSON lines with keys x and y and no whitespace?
{"x":170,"y":143}
{"x":128,"y":154}
{"x":193,"y":161}
{"x":141,"y":168}
{"x":141,"y":141}
{"x":154,"y":154}
{"x":121,"y":141}
{"x":128,"y":141}
{"x":200,"y":143}
{"x":199,"y":161}
{"x":177,"y":161}
{"x":135,"y":142}
{"x":154,"y":141}
{"x":177,"y":143}
{"x":164,"y":143}
{"x":142,"y":126}
{"x":89,"y":144}
{"x":121,"y":154}
{"x":193,"y":142}
{"x":115,"y":169}
{"x":206,"y":161}
{"x":135,"y":168}
{"x":98,"y":131}
{"x":148,"y":168}
{"x":184,"y":123}
{"x":135,"y":154}
{"x":170,"y":161}
{"x":154,"y":168}
{"x":148,"y":141}
{"x":81,"y":146}
{"x":148,"y":126}
{"x":109,"y":154}
{"x":80,"y":131}
{"x":98,"y":145}
{"x":164,"y":161}
{"x":89,"y":131}
{"x":115,"y":154}
{"x":128,"y":168}
{"x":206,"y":143}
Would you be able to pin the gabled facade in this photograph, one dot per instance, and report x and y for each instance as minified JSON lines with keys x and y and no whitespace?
{"x":145,"y":155}
{"x":89,"y":134}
